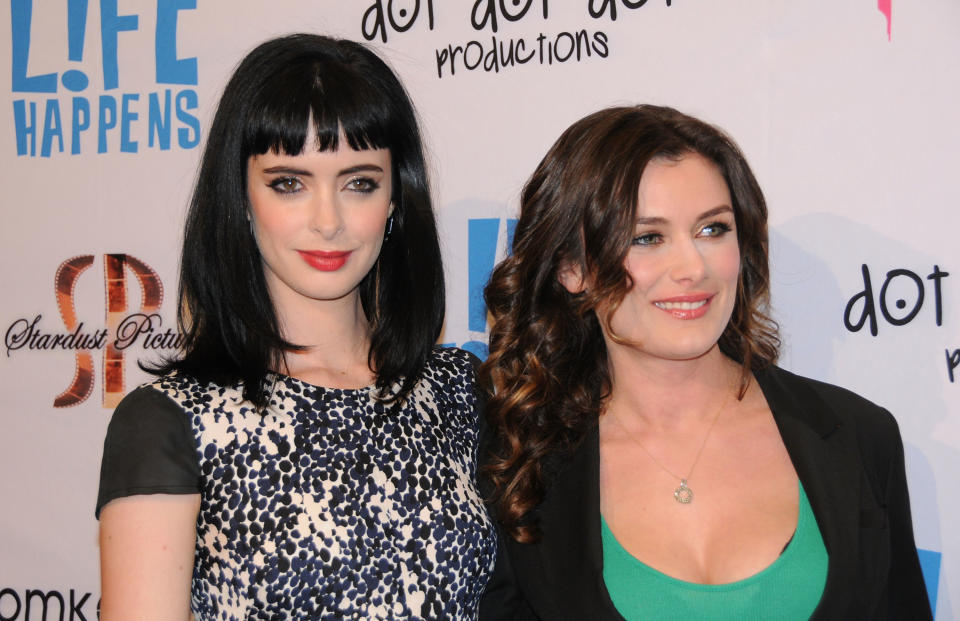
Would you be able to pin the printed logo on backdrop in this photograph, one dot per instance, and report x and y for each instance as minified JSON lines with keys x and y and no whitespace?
{"x":385,"y":17}
{"x":63,"y":109}
{"x":123,"y":328}
{"x":498,"y":52}
{"x":898,"y":302}
{"x":40,"y":605}
{"x":487,"y":240}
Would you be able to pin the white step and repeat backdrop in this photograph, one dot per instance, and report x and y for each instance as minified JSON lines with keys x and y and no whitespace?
{"x":847,"y":110}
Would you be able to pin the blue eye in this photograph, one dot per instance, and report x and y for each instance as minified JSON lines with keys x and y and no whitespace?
{"x":715,"y":229}
{"x":286,"y":185}
{"x":647,"y":239}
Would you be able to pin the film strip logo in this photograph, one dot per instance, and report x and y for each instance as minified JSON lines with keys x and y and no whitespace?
{"x":116,"y":267}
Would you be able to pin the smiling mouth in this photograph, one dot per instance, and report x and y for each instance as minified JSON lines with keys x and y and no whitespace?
{"x":685,"y":309}
{"x":684,"y":306}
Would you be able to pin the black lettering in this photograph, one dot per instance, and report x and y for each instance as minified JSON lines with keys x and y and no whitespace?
{"x":453,"y":57}
{"x":611,"y":5}
{"x":132,"y":327}
{"x":76,"y":607}
{"x":16,"y":600}
{"x":573,"y":46}
{"x":512,"y":17}
{"x":583,"y":42}
{"x":936,"y":277}
{"x":489,"y":15}
{"x":491,"y":62}
{"x":901,"y":303}
{"x":100,"y":339}
{"x":600,"y":44}
{"x":506,"y":56}
{"x":521,"y":44}
{"x":373,"y":22}
{"x":442,"y":57}
{"x":19,"y":333}
{"x":953,"y":360}
{"x":45,"y":598}
{"x":466,"y":60}
{"x":409,"y":15}
{"x":869,"y":311}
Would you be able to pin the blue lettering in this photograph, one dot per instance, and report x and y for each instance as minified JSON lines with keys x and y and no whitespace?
{"x":52,"y":128}
{"x":76,"y":28}
{"x":26,"y":130}
{"x":107,"y":119}
{"x":126,"y":118}
{"x":482,"y":244}
{"x":110,"y":25}
{"x":158,"y":121}
{"x":170,"y":69}
{"x":188,"y":100}
{"x":477,"y":348}
{"x":80,"y":122}
{"x":21,"y":14}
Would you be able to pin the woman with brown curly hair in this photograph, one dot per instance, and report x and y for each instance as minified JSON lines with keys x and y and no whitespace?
{"x":647,"y":458}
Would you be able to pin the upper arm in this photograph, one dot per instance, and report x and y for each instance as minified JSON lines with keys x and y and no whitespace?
{"x":146,"y":556}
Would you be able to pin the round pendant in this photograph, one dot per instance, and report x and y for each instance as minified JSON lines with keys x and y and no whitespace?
{"x":683,"y":494}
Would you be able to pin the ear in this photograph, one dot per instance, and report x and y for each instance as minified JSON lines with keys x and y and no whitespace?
{"x":571,"y":277}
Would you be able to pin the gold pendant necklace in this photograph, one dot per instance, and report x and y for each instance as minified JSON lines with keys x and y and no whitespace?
{"x":683,"y":494}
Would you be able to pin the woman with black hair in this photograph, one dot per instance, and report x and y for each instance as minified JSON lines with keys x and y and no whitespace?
{"x":648,"y":458}
{"x":310,"y":454}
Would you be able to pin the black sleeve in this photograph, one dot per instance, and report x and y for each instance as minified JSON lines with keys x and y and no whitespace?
{"x":149,"y":449}
{"x":906,"y":589}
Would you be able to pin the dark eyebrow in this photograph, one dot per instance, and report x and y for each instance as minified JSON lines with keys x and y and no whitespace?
{"x":707,"y":214}
{"x":360,"y":168}
{"x":287,"y":170}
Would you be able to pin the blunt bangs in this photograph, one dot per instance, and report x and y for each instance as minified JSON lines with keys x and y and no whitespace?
{"x":336,"y":97}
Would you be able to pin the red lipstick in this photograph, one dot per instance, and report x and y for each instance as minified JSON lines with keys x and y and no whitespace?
{"x":325,"y":261}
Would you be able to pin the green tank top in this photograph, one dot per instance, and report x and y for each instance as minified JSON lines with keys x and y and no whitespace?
{"x":790,"y":588}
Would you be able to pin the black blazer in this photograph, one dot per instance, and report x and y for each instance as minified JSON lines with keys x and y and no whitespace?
{"x":849,"y":456}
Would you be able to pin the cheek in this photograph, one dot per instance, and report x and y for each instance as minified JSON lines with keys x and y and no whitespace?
{"x":271,"y":222}
{"x":644,"y":272}
{"x":728,"y":264}
{"x":367,"y":223}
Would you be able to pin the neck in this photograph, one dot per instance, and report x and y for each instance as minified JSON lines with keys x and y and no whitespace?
{"x":670,"y":394}
{"x":336,"y":337}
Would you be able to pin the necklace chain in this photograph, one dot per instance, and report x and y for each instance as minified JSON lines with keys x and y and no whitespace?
{"x":683,"y":494}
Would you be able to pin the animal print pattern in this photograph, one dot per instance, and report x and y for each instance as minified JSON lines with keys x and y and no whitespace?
{"x":332,"y":505}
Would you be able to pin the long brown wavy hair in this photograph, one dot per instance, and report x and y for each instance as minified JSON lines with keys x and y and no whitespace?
{"x":547,"y":366}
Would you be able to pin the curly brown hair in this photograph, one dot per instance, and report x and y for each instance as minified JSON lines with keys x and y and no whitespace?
{"x":547,"y":367}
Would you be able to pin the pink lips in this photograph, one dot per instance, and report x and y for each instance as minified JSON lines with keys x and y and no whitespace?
{"x":691,"y":306}
{"x":325,"y":261}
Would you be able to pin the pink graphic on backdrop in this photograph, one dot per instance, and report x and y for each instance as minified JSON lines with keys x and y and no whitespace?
{"x":886,"y":7}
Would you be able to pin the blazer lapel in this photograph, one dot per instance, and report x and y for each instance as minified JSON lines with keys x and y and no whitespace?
{"x":824,"y":455}
{"x":570,"y":518}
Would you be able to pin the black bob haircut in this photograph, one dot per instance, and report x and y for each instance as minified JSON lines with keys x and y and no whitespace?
{"x":225,"y":313}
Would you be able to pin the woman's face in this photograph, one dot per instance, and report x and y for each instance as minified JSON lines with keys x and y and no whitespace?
{"x":684,"y":261}
{"x":319,"y":219}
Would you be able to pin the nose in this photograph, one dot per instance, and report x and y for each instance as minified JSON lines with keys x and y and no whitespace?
{"x":325,"y":215}
{"x":689,"y":263}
